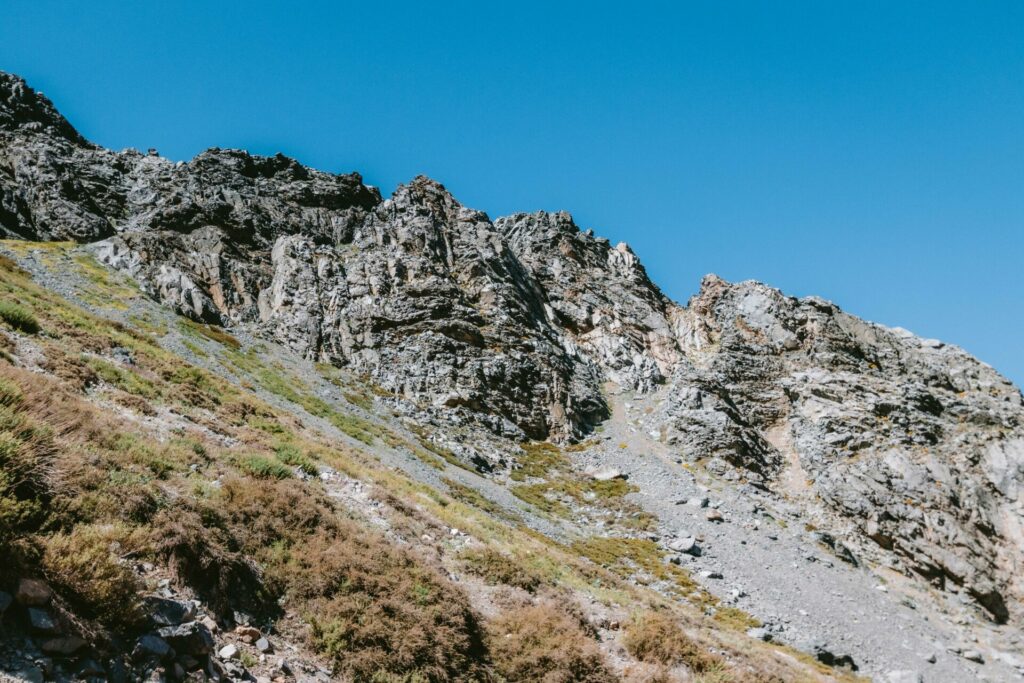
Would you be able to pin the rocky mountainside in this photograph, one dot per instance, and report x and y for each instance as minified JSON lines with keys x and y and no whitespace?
{"x":907,"y":453}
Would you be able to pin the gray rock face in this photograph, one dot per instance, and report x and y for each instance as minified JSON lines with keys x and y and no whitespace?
{"x":599,"y":297}
{"x":913,"y":449}
{"x":914,"y":444}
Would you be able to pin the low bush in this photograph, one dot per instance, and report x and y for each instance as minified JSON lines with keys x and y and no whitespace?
{"x":381,"y":614}
{"x":291,"y":455}
{"x":81,"y":565}
{"x":496,"y":568}
{"x":203,"y":554}
{"x":657,"y":638}
{"x":538,"y":459}
{"x":543,"y":644}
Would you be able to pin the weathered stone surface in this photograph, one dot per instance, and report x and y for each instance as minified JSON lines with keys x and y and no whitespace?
{"x":164,"y":612}
{"x":151,"y":646}
{"x":191,"y":639}
{"x":227,"y":652}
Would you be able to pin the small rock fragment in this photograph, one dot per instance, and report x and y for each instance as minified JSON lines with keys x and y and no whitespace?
{"x":713,"y":515}
{"x":228,"y":652}
{"x":248,"y":634}
{"x":62,"y":646}
{"x":90,"y":667}
{"x":41,"y":621}
{"x":164,"y":612}
{"x":686,"y":545}
{"x":263,"y":645}
{"x":607,"y":474}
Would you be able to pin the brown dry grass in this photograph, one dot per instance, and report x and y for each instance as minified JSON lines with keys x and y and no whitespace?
{"x":657,"y":638}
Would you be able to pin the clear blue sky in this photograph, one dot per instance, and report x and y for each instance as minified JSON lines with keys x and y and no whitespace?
{"x":868,"y":152}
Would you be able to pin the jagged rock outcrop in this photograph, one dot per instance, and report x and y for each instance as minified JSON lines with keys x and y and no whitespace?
{"x":909,"y":445}
{"x":599,"y":296}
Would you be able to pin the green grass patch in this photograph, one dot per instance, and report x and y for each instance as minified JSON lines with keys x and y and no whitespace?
{"x":18,"y":317}
{"x":289,"y":454}
{"x":262,"y":467}
{"x":121,"y":378}
{"x":538,"y":459}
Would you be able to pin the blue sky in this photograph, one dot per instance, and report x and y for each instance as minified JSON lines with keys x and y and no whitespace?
{"x":868,"y":152}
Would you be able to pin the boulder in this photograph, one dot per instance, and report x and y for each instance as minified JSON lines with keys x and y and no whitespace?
{"x":33,"y":593}
{"x":151,"y":647}
{"x":686,"y":545}
{"x":42,"y":621}
{"x":248,"y":634}
{"x":165,"y":612}
{"x":827,"y":656}
{"x":191,"y":638}
{"x":607,"y":474}
{"x":62,"y":646}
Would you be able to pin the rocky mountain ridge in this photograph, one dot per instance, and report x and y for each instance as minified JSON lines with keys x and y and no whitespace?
{"x":910,"y":449}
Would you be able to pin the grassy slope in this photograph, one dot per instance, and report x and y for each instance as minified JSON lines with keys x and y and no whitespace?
{"x":114,"y":450}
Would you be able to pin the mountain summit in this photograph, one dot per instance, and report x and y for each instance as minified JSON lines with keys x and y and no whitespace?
{"x":898,"y":452}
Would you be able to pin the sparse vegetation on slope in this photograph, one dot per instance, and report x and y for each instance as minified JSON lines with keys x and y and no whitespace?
{"x":198,"y":477}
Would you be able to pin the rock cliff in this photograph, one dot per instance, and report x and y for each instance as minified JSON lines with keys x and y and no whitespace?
{"x":910,"y":447}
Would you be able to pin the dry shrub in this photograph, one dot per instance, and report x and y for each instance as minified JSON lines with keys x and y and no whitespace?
{"x":204,"y":555}
{"x":655,"y":637}
{"x":497,"y":568}
{"x":543,"y":644}
{"x":82,"y":565}
{"x":381,"y":613}
{"x":27,"y":452}
{"x":264,"y":512}
{"x":649,"y":673}
{"x":71,"y":368}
